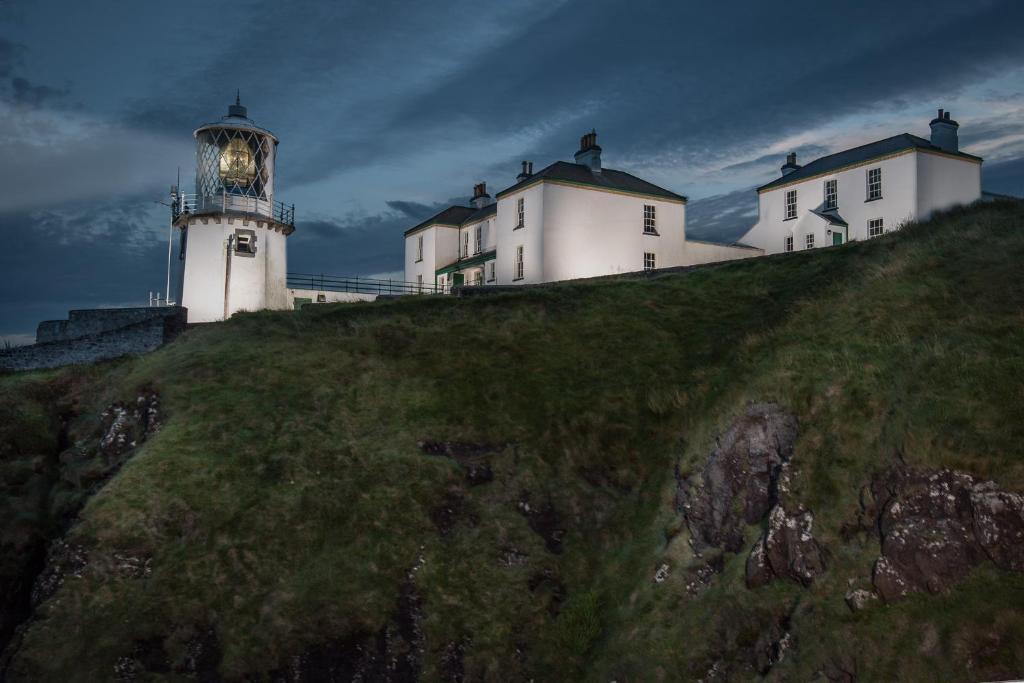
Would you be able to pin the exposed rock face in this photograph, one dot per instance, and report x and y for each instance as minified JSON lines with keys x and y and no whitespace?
{"x":67,"y":477}
{"x":745,"y":480}
{"x":63,"y":561}
{"x":738,"y":483}
{"x":935,"y":526}
{"x":124,"y":426}
{"x":787,"y":550}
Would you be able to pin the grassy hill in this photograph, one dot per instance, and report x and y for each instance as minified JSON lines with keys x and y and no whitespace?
{"x":485,"y":488}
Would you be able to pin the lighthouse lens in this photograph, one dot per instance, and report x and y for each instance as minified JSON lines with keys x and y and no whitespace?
{"x":237,"y":165}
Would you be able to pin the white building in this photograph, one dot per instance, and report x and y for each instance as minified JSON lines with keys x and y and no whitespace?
{"x":865,"y":191}
{"x":567,"y":221}
{"x":233,"y":233}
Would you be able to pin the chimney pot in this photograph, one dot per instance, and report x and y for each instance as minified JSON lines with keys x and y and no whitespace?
{"x":590,"y":152}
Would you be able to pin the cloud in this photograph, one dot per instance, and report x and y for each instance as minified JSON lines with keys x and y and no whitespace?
{"x":54,"y":156}
{"x":81,"y":256}
{"x":34,"y":95}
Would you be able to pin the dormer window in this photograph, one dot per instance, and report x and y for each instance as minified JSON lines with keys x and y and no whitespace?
{"x":650,"y":220}
{"x":790,"y":205}
{"x":831,"y":194}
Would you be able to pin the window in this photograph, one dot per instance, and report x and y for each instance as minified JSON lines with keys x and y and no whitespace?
{"x":650,"y":224}
{"x":478,"y":239}
{"x":790,"y":204}
{"x":419,"y":248}
{"x":831,"y":194}
{"x":419,"y":283}
{"x":245,"y":242}
{"x":876,"y":227}
{"x":874,"y":184}
{"x":321,"y":298}
{"x":521,"y":212}
{"x":789,"y":243}
{"x":490,"y":271}
{"x":518,"y":271}
{"x":810,"y":240}
{"x":465,"y":244}
{"x":648,"y":261}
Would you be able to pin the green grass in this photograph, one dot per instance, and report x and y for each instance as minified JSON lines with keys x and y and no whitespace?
{"x":285,"y":499}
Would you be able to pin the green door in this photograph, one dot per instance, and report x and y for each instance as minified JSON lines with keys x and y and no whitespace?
{"x":837,"y":238}
{"x":458,"y":279}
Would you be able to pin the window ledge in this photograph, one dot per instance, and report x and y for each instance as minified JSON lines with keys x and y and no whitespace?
{"x":654,"y":233}
{"x":519,"y":227}
{"x":872,"y":199}
{"x":419,"y":260}
{"x":517,"y":279}
{"x":789,"y":219}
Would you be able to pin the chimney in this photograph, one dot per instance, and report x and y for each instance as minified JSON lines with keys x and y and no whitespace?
{"x":944,"y":132}
{"x":480,"y":196}
{"x":526,"y":172}
{"x":790,"y":164}
{"x":590,"y":153}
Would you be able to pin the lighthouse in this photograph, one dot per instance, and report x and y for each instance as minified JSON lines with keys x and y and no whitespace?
{"x":233,"y":233}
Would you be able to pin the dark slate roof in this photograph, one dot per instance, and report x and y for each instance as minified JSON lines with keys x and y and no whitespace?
{"x":479,"y":214}
{"x":453,"y":215}
{"x":608,"y":178}
{"x":832,"y":216}
{"x":857,"y":155}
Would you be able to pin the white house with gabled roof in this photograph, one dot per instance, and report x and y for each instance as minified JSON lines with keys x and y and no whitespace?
{"x":866,"y":191}
{"x":567,"y":221}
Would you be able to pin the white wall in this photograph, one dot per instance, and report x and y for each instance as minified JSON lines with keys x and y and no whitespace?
{"x":440,"y":247}
{"x":332,"y":297}
{"x":594,"y":232}
{"x":696,"y":252}
{"x":944,"y":182}
{"x":255,"y":282}
{"x":530,"y":236}
{"x":897,"y":205}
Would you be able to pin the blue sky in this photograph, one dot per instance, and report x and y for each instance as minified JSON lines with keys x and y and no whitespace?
{"x":388,"y":111}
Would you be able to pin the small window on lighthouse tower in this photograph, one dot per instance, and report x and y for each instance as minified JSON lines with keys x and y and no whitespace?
{"x":245,"y":242}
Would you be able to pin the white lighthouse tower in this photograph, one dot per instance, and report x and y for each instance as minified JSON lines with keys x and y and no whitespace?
{"x":233,"y":232}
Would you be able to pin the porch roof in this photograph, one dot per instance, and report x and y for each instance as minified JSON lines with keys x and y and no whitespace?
{"x":468,"y":262}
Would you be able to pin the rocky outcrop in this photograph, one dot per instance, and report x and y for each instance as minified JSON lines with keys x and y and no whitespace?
{"x":737,"y":485}
{"x":935,"y":526}
{"x":70,"y":476}
{"x":787,"y":550}
{"x":744,"y":481}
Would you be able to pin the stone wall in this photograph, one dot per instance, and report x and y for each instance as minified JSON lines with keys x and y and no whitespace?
{"x":88,"y":336}
{"x":86,"y":322}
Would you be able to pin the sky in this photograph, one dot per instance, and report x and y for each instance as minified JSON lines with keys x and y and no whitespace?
{"x":389,"y":111}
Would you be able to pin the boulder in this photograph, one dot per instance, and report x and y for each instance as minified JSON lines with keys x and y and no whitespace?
{"x":787,"y":550}
{"x":935,"y":526}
